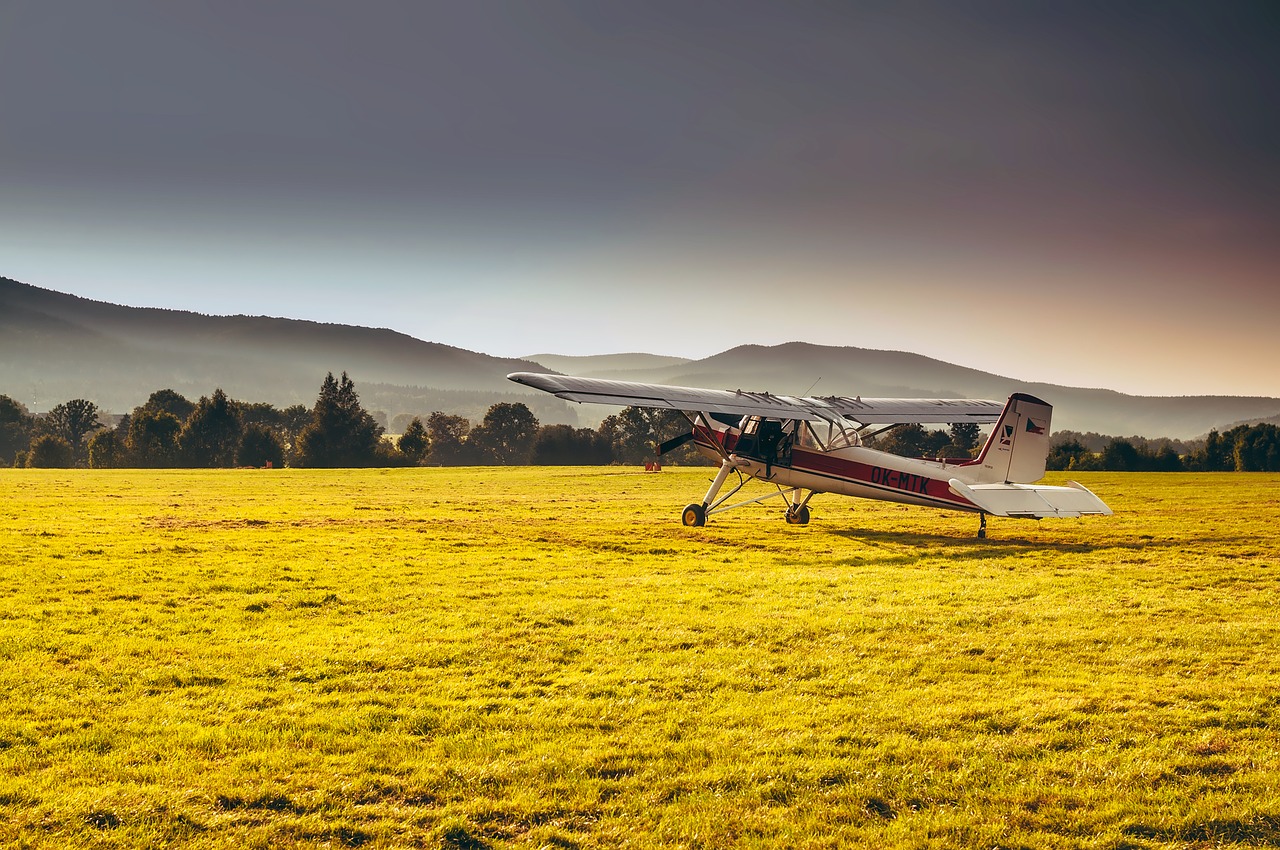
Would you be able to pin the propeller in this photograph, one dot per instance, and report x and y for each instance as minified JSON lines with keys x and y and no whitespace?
{"x":674,"y":443}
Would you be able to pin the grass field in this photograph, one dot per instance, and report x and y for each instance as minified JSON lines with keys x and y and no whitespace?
{"x":547,"y":658}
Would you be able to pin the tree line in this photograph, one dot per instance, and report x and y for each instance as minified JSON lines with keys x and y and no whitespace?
{"x":1244,"y":448}
{"x":169,"y":430}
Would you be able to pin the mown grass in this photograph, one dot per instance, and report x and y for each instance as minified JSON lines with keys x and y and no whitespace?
{"x":546,"y":658}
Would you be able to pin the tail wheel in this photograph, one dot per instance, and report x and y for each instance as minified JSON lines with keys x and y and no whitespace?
{"x":694,"y":515}
{"x":800,"y":517}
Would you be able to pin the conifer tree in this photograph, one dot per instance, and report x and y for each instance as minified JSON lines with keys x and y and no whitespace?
{"x":341,"y":432}
{"x":413,"y":442}
{"x":211,"y":433}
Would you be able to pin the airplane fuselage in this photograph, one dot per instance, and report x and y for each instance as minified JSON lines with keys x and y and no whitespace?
{"x":860,"y":472}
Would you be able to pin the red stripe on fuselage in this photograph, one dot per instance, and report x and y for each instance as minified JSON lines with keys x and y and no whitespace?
{"x":884,"y":477}
{"x":873,"y":476}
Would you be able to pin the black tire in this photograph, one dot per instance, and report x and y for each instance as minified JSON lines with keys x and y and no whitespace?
{"x":694,"y":516}
{"x":800,"y":517}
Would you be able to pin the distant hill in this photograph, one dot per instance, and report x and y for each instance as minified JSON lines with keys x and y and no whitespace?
{"x":55,"y":347}
{"x":1269,"y":420}
{"x":793,"y":369}
{"x":615,"y":366}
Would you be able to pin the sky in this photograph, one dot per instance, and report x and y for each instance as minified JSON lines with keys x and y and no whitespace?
{"x":1083,"y":193}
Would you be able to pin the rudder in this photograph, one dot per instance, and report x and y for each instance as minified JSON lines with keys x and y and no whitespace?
{"x":1018,"y":446}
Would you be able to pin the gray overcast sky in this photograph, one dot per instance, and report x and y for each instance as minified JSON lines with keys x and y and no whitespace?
{"x":1086,"y":193}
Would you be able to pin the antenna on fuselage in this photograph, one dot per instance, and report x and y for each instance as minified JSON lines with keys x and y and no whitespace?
{"x":811,"y":386}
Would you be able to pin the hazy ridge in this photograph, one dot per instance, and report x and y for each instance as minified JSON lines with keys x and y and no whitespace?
{"x":55,"y":346}
{"x":798,"y":368}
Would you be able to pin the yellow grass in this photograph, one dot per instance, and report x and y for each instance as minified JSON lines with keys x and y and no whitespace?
{"x":546,"y":658}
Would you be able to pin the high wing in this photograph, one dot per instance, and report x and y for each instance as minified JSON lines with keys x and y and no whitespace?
{"x":862,"y":411}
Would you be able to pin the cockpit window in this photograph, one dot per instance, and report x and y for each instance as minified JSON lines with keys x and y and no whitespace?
{"x":845,"y":438}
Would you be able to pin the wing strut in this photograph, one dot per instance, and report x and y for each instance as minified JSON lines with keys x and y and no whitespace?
{"x":701,"y":420}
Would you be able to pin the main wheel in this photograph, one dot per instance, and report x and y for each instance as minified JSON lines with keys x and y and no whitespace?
{"x":800,"y":517}
{"x":694,"y":515}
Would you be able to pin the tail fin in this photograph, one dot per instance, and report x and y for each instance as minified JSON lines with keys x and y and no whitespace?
{"x":1019,"y":443}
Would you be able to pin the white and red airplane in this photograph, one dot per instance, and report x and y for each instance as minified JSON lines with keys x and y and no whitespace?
{"x":809,"y":445}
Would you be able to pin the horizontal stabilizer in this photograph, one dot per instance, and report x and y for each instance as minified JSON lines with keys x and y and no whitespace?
{"x":1031,"y":500}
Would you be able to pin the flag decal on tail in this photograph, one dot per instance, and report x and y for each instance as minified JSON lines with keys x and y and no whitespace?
{"x":1007,"y":439}
{"x":1033,"y":428}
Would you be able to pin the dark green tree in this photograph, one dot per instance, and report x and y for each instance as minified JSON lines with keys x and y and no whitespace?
{"x":293,"y":419}
{"x":73,"y":419}
{"x":49,"y":451}
{"x":1166,"y":459}
{"x":629,"y":435}
{"x":1217,"y":454}
{"x":259,"y":446}
{"x":257,"y":413}
{"x":153,"y":437}
{"x":447,"y":436}
{"x":634,"y":434}
{"x":963,"y":439}
{"x":936,"y":443}
{"x":506,"y":435}
{"x":905,"y":440}
{"x":107,"y":451}
{"x":1121,"y":456}
{"x":1065,"y":455}
{"x":564,"y":445}
{"x":171,"y":401}
{"x":341,"y":432}
{"x":211,"y":433}
{"x":1257,"y":448}
{"x":15,"y":429}
{"x":413,"y":442}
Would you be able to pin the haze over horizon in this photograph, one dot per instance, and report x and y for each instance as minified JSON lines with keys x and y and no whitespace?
{"x":1086,"y":195}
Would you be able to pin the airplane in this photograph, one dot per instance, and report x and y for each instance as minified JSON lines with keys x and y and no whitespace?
{"x":806,"y":445}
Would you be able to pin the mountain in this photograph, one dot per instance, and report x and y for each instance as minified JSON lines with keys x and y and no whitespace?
{"x":54,"y":347}
{"x":798,"y":368}
{"x":619,"y":367}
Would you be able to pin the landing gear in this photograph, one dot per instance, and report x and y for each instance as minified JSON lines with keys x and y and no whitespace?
{"x":696,"y":515}
{"x":982,"y":527}
{"x":798,"y":510}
